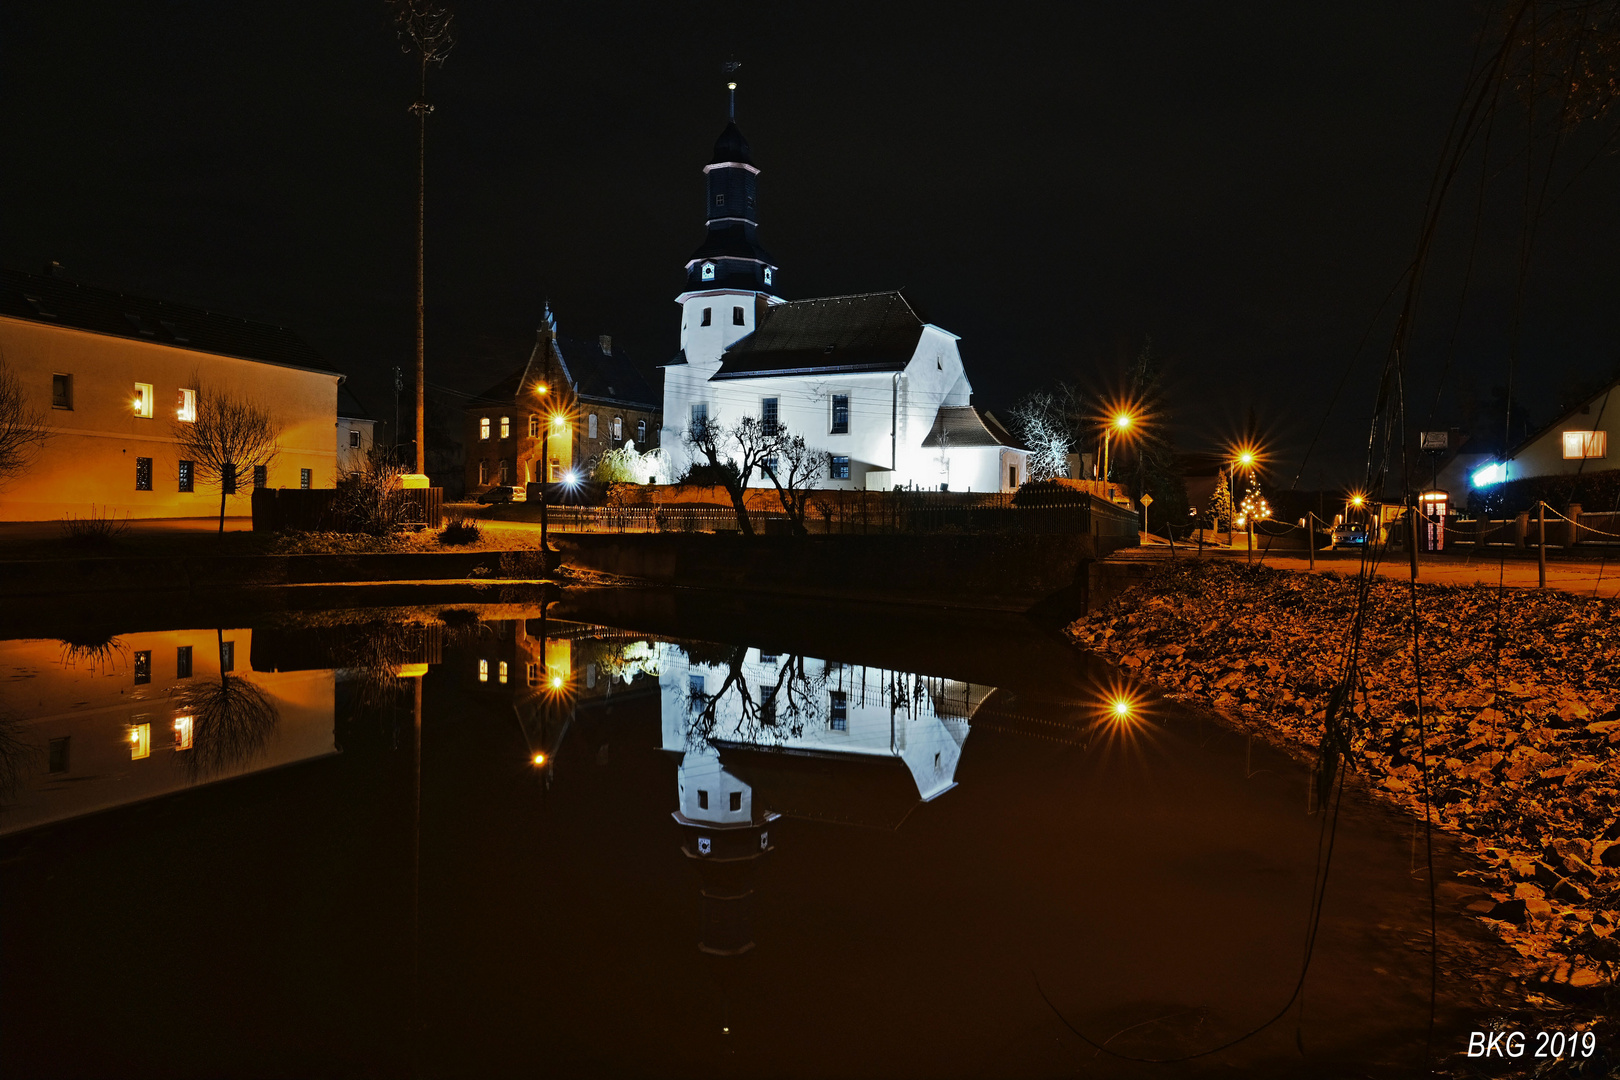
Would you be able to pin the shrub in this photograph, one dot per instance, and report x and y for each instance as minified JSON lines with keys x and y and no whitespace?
{"x":95,"y":529}
{"x":459,"y":531}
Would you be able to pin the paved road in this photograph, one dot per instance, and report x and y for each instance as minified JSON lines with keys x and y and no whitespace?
{"x":1587,"y":576}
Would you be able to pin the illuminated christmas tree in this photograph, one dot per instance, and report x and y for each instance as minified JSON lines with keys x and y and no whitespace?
{"x":1255,"y":507}
{"x":1220,"y":502}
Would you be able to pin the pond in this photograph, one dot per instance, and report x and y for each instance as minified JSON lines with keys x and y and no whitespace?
{"x":654,"y":833}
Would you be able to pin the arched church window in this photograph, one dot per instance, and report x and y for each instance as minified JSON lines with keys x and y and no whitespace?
{"x":708,"y":271}
{"x":618,"y":429}
{"x":641,"y":433}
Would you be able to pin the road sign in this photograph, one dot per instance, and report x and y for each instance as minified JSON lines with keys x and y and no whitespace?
{"x":1434,"y":440}
{"x":1147,"y":500}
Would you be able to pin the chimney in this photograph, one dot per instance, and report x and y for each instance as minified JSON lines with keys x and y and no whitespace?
{"x":606,"y":341}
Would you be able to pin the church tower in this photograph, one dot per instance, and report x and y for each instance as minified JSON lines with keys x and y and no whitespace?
{"x":729,"y":274}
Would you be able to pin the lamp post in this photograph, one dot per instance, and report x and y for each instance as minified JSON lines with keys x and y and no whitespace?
{"x":1122,"y":423}
{"x":545,"y":472}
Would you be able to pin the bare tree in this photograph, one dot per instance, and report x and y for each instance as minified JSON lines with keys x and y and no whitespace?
{"x":231,"y":718}
{"x":22,"y":429}
{"x":230,"y":436}
{"x":794,"y":469}
{"x":424,"y":28}
{"x":1051,"y":423}
{"x":734,"y":453}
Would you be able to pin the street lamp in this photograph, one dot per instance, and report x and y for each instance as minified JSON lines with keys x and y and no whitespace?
{"x":542,"y":390}
{"x":1121,"y":423}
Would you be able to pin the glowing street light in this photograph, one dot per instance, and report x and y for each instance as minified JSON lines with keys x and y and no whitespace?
{"x":540,"y":759}
{"x":1121,"y":423}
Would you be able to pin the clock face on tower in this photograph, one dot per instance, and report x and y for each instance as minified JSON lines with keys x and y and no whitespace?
{"x":708,"y":271}
{"x":768,"y":273}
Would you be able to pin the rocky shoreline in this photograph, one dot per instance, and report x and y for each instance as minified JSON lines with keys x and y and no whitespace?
{"x":1521,"y":700}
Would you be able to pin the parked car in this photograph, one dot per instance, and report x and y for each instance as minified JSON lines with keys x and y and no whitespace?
{"x":1349,"y":534}
{"x":502,"y":493}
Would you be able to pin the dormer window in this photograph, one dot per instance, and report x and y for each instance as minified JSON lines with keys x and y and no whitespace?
{"x":719,"y":200}
{"x":708,"y":272}
{"x":767,"y":275}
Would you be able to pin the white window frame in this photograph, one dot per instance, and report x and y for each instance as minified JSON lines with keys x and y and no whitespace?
{"x":483,"y":429}
{"x":1585,"y":445}
{"x":618,"y":429}
{"x":506,"y":427}
{"x":143,"y":400}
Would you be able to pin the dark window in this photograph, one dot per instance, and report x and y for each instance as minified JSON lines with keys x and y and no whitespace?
{"x":303,"y":479}
{"x":143,"y":666}
{"x":706,"y":313}
{"x":483,"y":472}
{"x":738,"y":318}
{"x":354,"y":438}
{"x":839,"y":469}
{"x":771,"y":464}
{"x":840,"y":711}
{"x":227,"y":478}
{"x":767,"y":705}
{"x":505,"y":471}
{"x":703,"y":800}
{"x":261,"y":476}
{"x":227,"y":656}
{"x":59,"y":753}
{"x":1012,"y":476}
{"x":719,"y":200}
{"x":143,"y":474}
{"x":736,"y":800}
{"x":61,"y":391}
{"x":840,"y":414}
{"x":534,"y":427}
{"x":188,"y":480}
{"x":767,"y":658}
{"x":694,"y":683}
{"x":767,"y":415}
{"x":182,"y":662}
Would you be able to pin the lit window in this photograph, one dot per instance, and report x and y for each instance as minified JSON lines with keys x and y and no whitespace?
{"x":483,"y":427}
{"x":1585,"y":444}
{"x":354,"y":439}
{"x":534,"y":427}
{"x":483,"y":671}
{"x":502,"y":675}
{"x":767,"y":415}
{"x":767,"y":275}
{"x":143,"y":666}
{"x":840,"y":414}
{"x":143,"y":474}
{"x":839,"y":469}
{"x":707,"y":312}
{"x":708,"y":272}
{"x":183,"y":727}
{"x":188,"y":476}
{"x":618,"y":429}
{"x":143,"y":399}
{"x":590,"y":426}
{"x":839,"y":712}
{"x":61,"y":391}
{"x":186,"y":410}
{"x":738,"y":318}
{"x":304,"y":478}
{"x":506,"y":427}
{"x":140,"y":741}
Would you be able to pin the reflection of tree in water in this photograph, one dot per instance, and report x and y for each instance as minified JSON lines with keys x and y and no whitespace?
{"x":95,"y":653}
{"x":770,"y":711}
{"x":231,"y":719}
{"x":16,"y":753}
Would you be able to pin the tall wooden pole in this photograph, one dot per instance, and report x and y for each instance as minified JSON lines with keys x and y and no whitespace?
{"x":421,"y":108}
{"x":1541,"y":541}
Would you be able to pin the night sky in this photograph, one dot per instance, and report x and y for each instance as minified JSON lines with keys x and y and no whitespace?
{"x":1054,"y":183}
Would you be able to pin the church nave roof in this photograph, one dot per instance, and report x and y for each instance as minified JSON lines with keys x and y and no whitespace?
{"x":868,"y":332}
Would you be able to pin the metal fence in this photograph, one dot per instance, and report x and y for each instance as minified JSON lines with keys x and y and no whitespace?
{"x":867,"y":513}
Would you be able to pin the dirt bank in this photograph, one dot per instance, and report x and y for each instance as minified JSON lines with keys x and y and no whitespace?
{"x":1520,"y":692}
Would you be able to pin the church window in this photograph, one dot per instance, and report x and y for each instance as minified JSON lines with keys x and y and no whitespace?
{"x":840,"y":414}
{"x":767,"y":275}
{"x":839,"y":470}
{"x":483,"y":427}
{"x":738,"y":318}
{"x":706,"y":313}
{"x":771,"y":464}
{"x":700,"y":414}
{"x":641,"y":432}
{"x":839,"y":710}
{"x":767,"y":415}
{"x":506,"y":427}
{"x":590,"y":426}
{"x":618,"y":429}
{"x":708,"y":272}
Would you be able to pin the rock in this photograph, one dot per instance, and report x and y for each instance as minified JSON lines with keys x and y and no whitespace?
{"x":1576,"y":867}
{"x":1568,"y":891}
{"x":1608,"y":854}
{"x":1583,"y":977}
{"x":1512,"y":911}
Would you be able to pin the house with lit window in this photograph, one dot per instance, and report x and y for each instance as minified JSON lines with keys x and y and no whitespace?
{"x":571,"y":402}
{"x":1576,"y":442}
{"x":356,"y":433}
{"x":112,"y":375}
{"x":866,"y":379}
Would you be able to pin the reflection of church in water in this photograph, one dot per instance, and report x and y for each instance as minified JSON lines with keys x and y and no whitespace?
{"x":765,"y":736}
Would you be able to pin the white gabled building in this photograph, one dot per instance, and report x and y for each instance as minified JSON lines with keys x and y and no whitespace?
{"x":864,"y":378}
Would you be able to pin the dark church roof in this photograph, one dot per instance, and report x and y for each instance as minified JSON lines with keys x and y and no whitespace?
{"x":877,"y":791}
{"x":731,"y":146}
{"x":968,"y":425}
{"x":593,"y":375}
{"x":57,"y":301}
{"x":869,"y":332}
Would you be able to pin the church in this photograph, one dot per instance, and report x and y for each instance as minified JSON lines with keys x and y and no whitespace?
{"x":864,"y":378}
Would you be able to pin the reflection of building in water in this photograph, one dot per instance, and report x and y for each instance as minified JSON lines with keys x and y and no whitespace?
{"x":113,"y":722}
{"x":763,"y":735}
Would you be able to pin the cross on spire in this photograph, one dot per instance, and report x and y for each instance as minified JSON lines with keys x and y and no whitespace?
{"x":730,"y":69}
